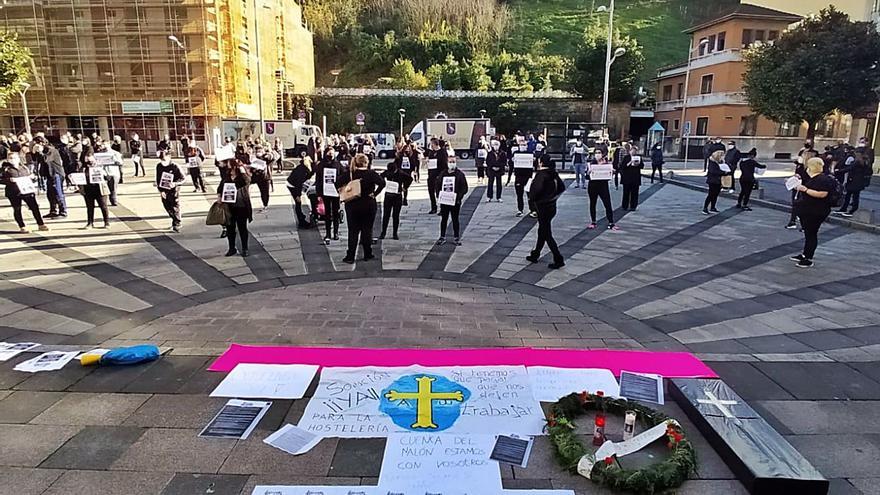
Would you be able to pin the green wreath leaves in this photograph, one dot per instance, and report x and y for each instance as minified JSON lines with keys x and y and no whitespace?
{"x":657,"y":478}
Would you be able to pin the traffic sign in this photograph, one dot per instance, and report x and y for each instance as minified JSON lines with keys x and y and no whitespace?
{"x":687,"y":128}
{"x":360,"y":119}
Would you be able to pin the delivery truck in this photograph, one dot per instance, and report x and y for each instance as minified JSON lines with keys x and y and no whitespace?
{"x":463,"y":135}
{"x":294,"y":134}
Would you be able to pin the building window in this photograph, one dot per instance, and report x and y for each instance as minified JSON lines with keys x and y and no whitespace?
{"x":676,"y":124}
{"x":703,"y":47}
{"x":667,"y":92}
{"x":772,"y":35}
{"x":710,"y":46}
{"x":748,"y":37}
{"x":702,"y":126}
{"x":722,"y":39}
{"x":748,"y":125}
{"x":788,"y":130}
{"x":706,"y":84}
{"x":680,"y":90}
{"x":760,"y":35}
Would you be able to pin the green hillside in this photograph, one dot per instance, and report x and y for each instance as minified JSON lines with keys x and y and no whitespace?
{"x":656,"y":24}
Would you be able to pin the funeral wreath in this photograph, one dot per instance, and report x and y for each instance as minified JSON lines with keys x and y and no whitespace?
{"x":657,"y":478}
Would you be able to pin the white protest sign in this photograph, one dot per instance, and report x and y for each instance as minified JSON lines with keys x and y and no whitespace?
{"x":9,"y":350}
{"x":448,"y":184}
{"x":447,"y":198}
{"x":432,"y":164}
{"x":760,"y":171}
{"x":104,"y":159}
{"x":392,"y":187}
{"x":550,"y":384}
{"x":482,"y":153}
{"x":224,"y":153}
{"x":193,"y":162}
{"x":166,"y":180}
{"x":48,"y":361}
{"x":96,"y":175}
{"x":643,"y":387}
{"x":528,"y":187}
{"x":637,"y":159}
{"x":317,"y":490}
{"x":601,"y":171}
{"x":330,"y":183}
{"x":371,"y":402}
{"x":25,"y":185}
{"x":405,"y":163}
{"x":267,"y":381}
{"x":523,"y":161}
{"x":230,"y":193}
{"x":258,"y":164}
{"x":78,"y":178}
{"x":292,"y":439}
{"x":431,"y":462}
{"x":792,"y":182}
{"x":724,"y":167}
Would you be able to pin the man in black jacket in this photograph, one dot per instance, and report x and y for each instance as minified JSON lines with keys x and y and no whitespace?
{"x":438,"y":163}
{"x":496,"y":163}
{"x":732,"y":158}
{"x":545,"y":190}
{"x":52,"y":167}
{"x":452,"y":182}
{"x":298,"y":176}
{"x":523,"y":174}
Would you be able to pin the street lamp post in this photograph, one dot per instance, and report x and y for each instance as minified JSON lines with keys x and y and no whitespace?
{"x":24,"y":107}
{"x":259,"y":67}
{"x":609,"y":59}
{"x":182,"y":47}
{"x":402,"y":113}
{"x":684,"y":101}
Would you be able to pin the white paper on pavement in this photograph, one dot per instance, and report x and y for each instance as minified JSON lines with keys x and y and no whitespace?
{"x":455,"y":464}
{"x":48,"y":361}
{"x":237,"y":419}
{"x":317,"y":490}
{"x":370,"y":402}
{"x":792,"y":182}
{"x":292,"y":439}
{"x":551,"y":384}
{"x":642,"y":387}
{"x":9,"y":350}
{"x":267,"y":381}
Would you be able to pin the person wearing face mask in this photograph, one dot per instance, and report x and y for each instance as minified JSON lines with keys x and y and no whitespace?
{"x":522,"y":174}
{"x":407,"y":162}
{"x":813,"y":207}
{"x":866,"y":151}
{"x":95,"y":191}
{"x":49,"y":160}
{"x":496,"y":162}
{"x":168,"y":181}
{"x":361,"y":212}
{"x":579,"y":163}
{"x":261,"y":174}
{"x":631,"y":166}
{"x":713,"y":179}
{"x":453,"y":183}
{"x":747,"y":180}
{"x":194,"y":159}
{"x":295,"y":184}
{"x":732,"y":158}
{"x":20,"y":189}
{"x":240,"y":210}
{"x":657,"y":161}
{"x":857,"y":176}
{"x":134,"y":147}
{"x":164,"y":145}
{"x":597,"y":188}
{"x":546,"y":188}
{"x":396,"y":181}
{"x":801,"y":171}
{"x":327,"y":173}
{"x":481,"y":153}
{"x":438,"y":162}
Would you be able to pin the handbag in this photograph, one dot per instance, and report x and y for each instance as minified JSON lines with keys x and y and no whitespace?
{"x":727,"y":181}
{"x":350,"y":191}
{"x":218,"y":214}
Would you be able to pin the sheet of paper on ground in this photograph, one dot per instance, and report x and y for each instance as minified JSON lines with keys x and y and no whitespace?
{"x":9,"y":350}
{"x":237,"y":419}
{"x":642,"y":387}
{"x":293,"y":440}
{"x":373,"y":490}
{"x":267,"y":381}
{"x":551,"y":384}
{"x":374,"y":402}
{"x":454,"y":464}
{"x":48,"y":361}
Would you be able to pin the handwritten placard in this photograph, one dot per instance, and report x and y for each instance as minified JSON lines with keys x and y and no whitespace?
{"x":330,"y":183}
{"x":392,"y":187}
{"x":551,"y":384}
{"x":25,"y":185}
{"x":104,"y":159}
{"x":601,"y":171}
{"x":266,"y":381}
{"x":523,"y":161}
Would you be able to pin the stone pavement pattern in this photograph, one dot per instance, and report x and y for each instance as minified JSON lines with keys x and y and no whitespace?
{"x":671,"y":279}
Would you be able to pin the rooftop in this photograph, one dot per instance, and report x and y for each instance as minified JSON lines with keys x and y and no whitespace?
{"x":747,"y":11}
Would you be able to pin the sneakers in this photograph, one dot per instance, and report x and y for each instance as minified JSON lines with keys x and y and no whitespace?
{"x":231,"y":252}
{"x":348,"y":260}
{"x":326,"y":241}
{"x":519,"y":214}
{"x":245,"y":253}
{"x":791,"y":226}
{"x":533,"y":214}
{"x":592,"y":226}
{"x":805,"y":263}
{"x":335,"y":237}
{"x":577,"y":186}
{"x":51,"y":215}
{"x":847,"y":214}
{"x":457,"y":241}
{"x":44,"y":228}
{"x":712,"y":210}
{"x":613,"y":227}
{"x":500,"y":200}
{"x":175,"y":228}
{"x":532,"y":258}
{"x":488,"y":200}
{"x":433,"y":211}
{"x":799,"y":257}
{"x":223,"y":233}
{"x":705,"y":211}
{"x":556,"y":265}
{"x":23,"y":230}
{"x":746,"y":208}
{"x":441,"y":241}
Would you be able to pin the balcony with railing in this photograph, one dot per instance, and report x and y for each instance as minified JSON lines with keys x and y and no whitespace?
{"x":705,"y":100}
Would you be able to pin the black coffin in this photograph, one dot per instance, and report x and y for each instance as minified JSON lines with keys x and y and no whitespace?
{"x":756,"y":453}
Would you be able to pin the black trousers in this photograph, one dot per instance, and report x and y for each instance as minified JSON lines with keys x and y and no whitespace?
{"x":264,"y":186}
{"x":851,"y":197}
{"x":111,"y":185}
{"x":238,"y":222}
{"x":630,"y":197}
{"x":198,"y":180}
{"x":745,"y":193}
{"x":171,"y":203}
{"x":445,"y":212}
{"x":495,"y":179}
{"x":656,"y":167}
{"x":361,"y":215}
{"x":598,"y":189}
{"x":519,"y":185}
{"x":138,"y":163}
{"x":331,"y":216}
{"x":92,"y":196}
{"x":296,"y":192}
{"x":432,"y":180}
{"x":712,"y":197}
{"x":545,"y":232}
{"x":391,"y":210}
{"x":792,"y":219}
{"x":31,"y":201}
{"x":811,"y":223}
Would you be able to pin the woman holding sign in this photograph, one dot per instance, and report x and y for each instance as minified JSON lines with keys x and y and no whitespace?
{"x":438,"y":162}
{"x":261,"y":174}
{"x":450,"y":187}
{"x":713,"y":179}
{"x":327,"y":171}
{"x":361,"y":209}
{"x":407,"y":162}
{"x":396,"y":184}
{"x":20,"y":189}
{"x":168,"y":179}
{"x":813,"y":206}
{"x":482,"y":152}
{"x":95,"y":190}
{"x":194,"y":159}
{"x":234,"y":192}
{"x":600,"y":174}
{"x":631,"y":166}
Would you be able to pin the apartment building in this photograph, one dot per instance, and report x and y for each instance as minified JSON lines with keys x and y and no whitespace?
{"x":114,"y":67}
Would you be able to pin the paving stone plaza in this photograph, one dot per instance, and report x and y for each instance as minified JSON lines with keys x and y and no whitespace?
{"x":801,"y":346}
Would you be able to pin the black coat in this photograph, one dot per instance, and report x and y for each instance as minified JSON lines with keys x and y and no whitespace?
{"x":630,"y":171}
{"x":461,"y":185}
{"x":546,"y":188}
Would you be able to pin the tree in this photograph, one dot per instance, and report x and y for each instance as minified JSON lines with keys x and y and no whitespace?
{"x":15,"y":67}
{"x":404,"y":76}
{"x":825,"y":63}
{"x":587,"y":75}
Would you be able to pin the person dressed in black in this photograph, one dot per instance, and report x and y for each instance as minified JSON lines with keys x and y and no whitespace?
{"x":804,"y":155}
{"x":480,"y":154}
{"x":438,"y":163}
{"x":597,"y":188}
{"x":546,"y":189}
{"x":713,"y":179}
{"x":732,"y":158}
{"x":240,"y":209}
{"x":522,"y":176}
{"x":261,"y":174}
{"x":95,"y":191}
{"x":361,"y":212}
{"x":17,"y":179}
{"x":327,"y":173}
{"x":496,"y":163}
{"x":134,"y":147}
{"x":747,"y":179}
{"x":657,"y":161}
{"x":168,"y":181}
{"x":396,"y":182}
{"x":630,"y":167}
{"x":194,"y":158}
{"x":813,"y":207}
{"x":407,"y":162}
{"x":52,"y":165}
{"x":450,"y":187}
{"x":295,"y":181}
{"x":709,"y":149}
{"x":857,"y":176}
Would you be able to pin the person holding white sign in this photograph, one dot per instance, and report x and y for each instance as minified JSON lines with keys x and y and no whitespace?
{"x":813,"y":207}
{"x":481,"y":153}
{"x":261,"y":173}
{"x":522,"y":170}
{"x":396,"y":182}
{"x":95,"y":191}
{"x":713,"y":179}
{"x":168,"y":179}
{"x":438,"y":164}
{"x":631,"y":166}
{"x":194,"y":158}
{"x":407,"y":162}
{"x":241,"y":212}
{"x":579,"y":163}
{"x":134,"y":147}
{"x":599,"y":174}
{"x":20,"y":189}
{"x":296,"y":182}
{"x":451,"y":186}
{"x":52,"y":167}
{"x":747,"y":180}
{"x":327,"y":171}
{"x":546,"y":189}
{"x":496,"y":164}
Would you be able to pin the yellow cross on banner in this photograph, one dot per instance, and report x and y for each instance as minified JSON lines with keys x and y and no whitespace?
{"x":425,"y":400}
